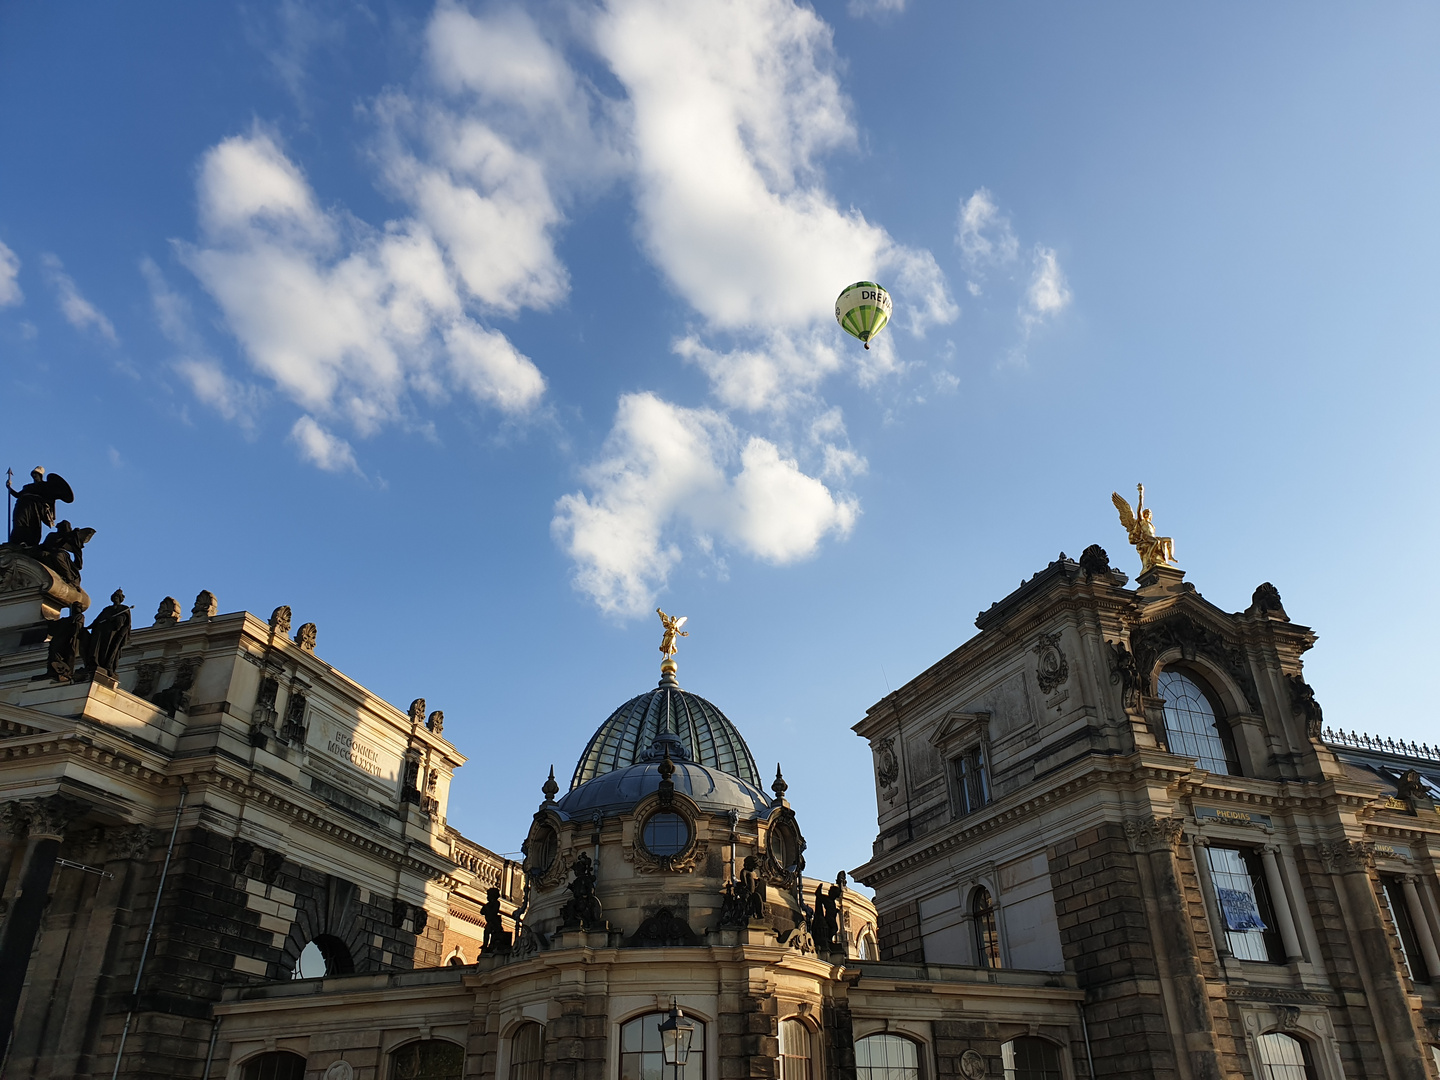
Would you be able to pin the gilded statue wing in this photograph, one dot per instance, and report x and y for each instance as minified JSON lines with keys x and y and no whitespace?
{"x":681,"y":621}
{"x":1127,"y":516}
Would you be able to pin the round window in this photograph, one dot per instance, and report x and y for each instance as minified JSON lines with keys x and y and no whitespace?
{"x":783,"y":846}
{"x":541,"y":849}
{"x":666,"y":833}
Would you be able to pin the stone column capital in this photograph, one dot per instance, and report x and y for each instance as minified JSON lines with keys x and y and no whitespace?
{"x":42,"y":818}
{"x":1153,"y":833}
{"x":1348,"y":856}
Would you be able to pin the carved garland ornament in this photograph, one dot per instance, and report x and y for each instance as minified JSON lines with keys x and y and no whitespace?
{"x":1348,"y":856}
{"x":1193,"y":640}
{"x":887,"y":766}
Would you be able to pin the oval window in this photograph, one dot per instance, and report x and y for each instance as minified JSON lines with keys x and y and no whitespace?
{"x":666,"y":833}
{"x":541,"y":849}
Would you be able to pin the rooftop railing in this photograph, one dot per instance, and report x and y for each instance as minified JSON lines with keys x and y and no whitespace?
{"x":1363,"y":741}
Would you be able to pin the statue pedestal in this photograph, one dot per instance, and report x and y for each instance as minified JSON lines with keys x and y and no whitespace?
{"x":1161,"y":581}
{"x":30,"y":592}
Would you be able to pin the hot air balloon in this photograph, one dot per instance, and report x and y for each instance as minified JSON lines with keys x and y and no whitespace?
{"x":863,"y":309}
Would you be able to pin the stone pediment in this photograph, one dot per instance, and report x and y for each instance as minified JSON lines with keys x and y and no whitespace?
{"x":960,"y":727}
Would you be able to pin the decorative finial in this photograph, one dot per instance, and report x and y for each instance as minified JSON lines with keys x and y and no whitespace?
{"x":550,"y":788}
{"x":1153,"y":550}
{"x":668,"y":645}
{"x":667,"y":767}
{"x":779,"y":786}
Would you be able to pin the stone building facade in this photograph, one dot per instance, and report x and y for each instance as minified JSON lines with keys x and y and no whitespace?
{"x":1135,"y":788}
{"x":221,"y":801}
{"x":1114,"y":840}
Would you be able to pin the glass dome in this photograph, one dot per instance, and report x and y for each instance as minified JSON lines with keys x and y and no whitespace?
{"x":710,"y":739}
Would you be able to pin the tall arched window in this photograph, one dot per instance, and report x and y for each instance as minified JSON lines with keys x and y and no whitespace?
{"x":987,"y":936}
{"x":527,"y":1052}
{"x":1284,"y":1058}
{"x":275,"y":1065}
{"x":428,"y":1059}
{"x":795,"y":1052}
{"x":1029,"y":1058}
{"x":642,"y":1056}
{"x":886,"y":1057}
{"x":1191,"y":727}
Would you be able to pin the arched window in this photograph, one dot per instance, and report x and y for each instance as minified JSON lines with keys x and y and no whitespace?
{"x":987,"y":937}
{"x":428,"y":1059}
{"x":1284,"y":1058}
{"x":795,"y":1052}
{"x":1029,"y":1058}
{"x":457,"y":959}
{"x":326,"y":955}
{"x":868,"y":950}
{"x":527,"y":1052}
{"x":1191,"y":727}
{"x":275,"y":1065}
{"x":886,"y":1057}
{"x":643,"y":1058}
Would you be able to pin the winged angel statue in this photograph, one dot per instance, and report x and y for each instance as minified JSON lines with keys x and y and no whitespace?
{"x":672,"y":624}
{"x":1153,"y":550}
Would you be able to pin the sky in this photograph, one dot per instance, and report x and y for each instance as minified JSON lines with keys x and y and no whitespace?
{"x":475,"y":332}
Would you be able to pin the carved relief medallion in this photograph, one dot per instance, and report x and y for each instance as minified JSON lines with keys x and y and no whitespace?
{"x":972,"y":1065}
{"x":887,"y":766}
{"x":1053,"y":669}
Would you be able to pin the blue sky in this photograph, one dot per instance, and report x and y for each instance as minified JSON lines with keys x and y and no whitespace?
{"x":474,"y":332}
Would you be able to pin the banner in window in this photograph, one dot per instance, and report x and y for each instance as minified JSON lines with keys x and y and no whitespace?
{"x":1239,"y":910}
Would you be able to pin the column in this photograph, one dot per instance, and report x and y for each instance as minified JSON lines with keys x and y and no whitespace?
{"x":1422,"y":927}
{"x":1200,"y":851}
{"x":46,"y":820}
{"x":1281,"y":903}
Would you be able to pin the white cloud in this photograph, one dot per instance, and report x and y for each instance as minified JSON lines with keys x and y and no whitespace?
{"x":322,"y":449}
{"x":10,"y":294}
{"x":668,"y":472}
{"x":1048,"y":293}
{"x":201,"y":371}
{"x":347,"y":320}
{"x":727,"y":132}
{"x":984,"y":234}
{"x":78,"y":311}
{"x":860,"y":8}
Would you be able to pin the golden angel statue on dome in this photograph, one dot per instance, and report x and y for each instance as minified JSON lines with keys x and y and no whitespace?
{"x":1153,"y":550}
{"x":672,"y":626}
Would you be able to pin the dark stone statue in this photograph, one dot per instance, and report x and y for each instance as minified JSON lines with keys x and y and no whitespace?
{"x":744,"y":898}
{"x":67,"y":645}
{"x":1266,"y":601}
{"x":1302,"y":697}
{"x":35,"y":506}
{"x":64,"y":551}
{"x":825,"y":918}
{"x":109,"y":634}
{"x":582,"y":909}
{"x":1095,"y":561}
{"x":1126,"y":672}
{"x":497,"y":938}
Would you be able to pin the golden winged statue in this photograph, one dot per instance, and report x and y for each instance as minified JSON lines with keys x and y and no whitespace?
{"x":672,"y":626}
{"x":1153,"y":550}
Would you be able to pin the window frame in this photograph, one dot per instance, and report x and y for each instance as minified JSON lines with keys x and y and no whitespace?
{"x":916,"y":1045}
{"x":699,"y":1045}
{"x":970,"y":779}
{"x":1224,"y":730}
{"x":394,"y":1052}
{"x":809,"y":1072}
{"x":1266,"y":1069}
{"x":1392,"y":887}
{"x":1264,"y":905}
{"x":513,"y":1045}
{"x":1010,"y":1072}
{"x":259,"y":1059}
{"x":988,"y":953}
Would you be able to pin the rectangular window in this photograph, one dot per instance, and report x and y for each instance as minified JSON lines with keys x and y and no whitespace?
{"x":972,"y":788}
{"x":1400,"y":916}
{"x":1245,"y":905}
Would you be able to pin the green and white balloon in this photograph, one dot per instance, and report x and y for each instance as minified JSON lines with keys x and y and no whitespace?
{"x":863,"y":309}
